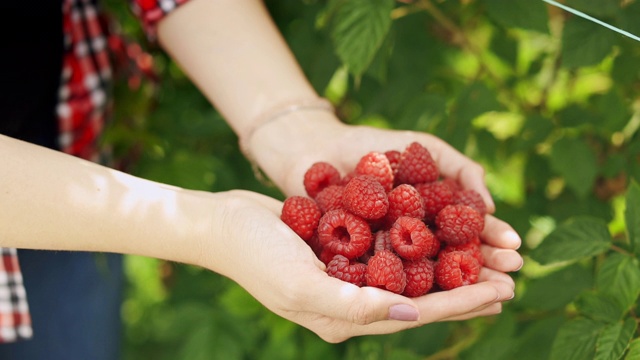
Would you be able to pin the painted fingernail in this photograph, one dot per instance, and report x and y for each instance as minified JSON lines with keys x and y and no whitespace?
{"x":403,"y":312}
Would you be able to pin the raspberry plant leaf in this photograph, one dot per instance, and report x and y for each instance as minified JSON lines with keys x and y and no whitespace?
{"x":576,"y":162}
{"x":619,"y":278}
{"x":576,"y":340}
{"x":600,"y":8}
{"x":585,"y":43}
{"x":359,"y":29}
{"x":577,"y":238}
{"x":523,"y":14}
{"x":565,"y":285}
{"x":632,"y":216}
{"x":599,"y":307}
{"x":634,"y":350}
{"x":614,"y":339}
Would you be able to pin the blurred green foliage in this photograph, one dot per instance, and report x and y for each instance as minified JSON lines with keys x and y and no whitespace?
{"x":547,"y":102}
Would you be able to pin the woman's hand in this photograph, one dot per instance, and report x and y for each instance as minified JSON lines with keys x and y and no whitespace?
{"x":253,"y":247}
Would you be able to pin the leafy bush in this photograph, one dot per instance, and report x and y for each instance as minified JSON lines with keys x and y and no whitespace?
{"x":548,"y":102}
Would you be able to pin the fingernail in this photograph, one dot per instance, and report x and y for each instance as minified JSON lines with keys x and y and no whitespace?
{"x":521,"y":265}
{"x":403,"y":312}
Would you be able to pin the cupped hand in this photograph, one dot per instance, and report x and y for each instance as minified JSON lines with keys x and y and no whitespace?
{"x":254,"y":248}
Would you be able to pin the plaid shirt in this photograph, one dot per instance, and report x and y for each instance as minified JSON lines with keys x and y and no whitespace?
{"x":83,"y":107}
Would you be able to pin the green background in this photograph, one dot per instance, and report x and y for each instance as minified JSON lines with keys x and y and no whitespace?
{"x":547,"y":102}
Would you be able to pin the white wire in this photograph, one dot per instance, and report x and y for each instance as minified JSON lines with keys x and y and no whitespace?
{"x":585,"y":16}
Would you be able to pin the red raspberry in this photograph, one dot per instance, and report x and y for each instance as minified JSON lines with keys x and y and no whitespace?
{"x":320,"y":175}
{"x":330,"y":198}
{"x":436,"y":195}
{"x":472,"y":247}
{"x":458,"y":224}
{"x":365,"y":197}
{"x":326,"y":255}
{"x":416,"y":166}
{"x":452,"y":184}
{"x":344,"y":233}
{"x":382,"y":241}
{"x":385,"y":271}
{"x":412,"y":240}
{"x":347,"y":270}
{"x":420,"y":274}
{"x":377,"y":165}
{"x":394,"y":159}
{"x":456,"y":269}
{"x":345,"y":179}
{"x":404,"y":200}
{"x":302,"y":215}
{"x":471,"y":198}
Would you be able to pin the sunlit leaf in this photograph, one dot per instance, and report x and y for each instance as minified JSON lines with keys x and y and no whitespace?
{"x":614,"y":339}
{"x":575,"y":239}
{"x":359,"y":29}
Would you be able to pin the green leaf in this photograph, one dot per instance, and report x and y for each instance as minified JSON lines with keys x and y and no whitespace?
{"x":359,"y":29}
{"x":619,"y":277}
{"x":524,"y":14}
{"x":473,"y":101}
{"x":632,"y":215}
{"x":600,"y":307}
{"x":585,"y":43}
{"x":578,"y":238}
{"x":602,"y":8}
{"x":614,"y":339}
{"x":576,"y":340}
{"x":565,"y":284}
{"x":634,"y":350}
{"x":576,"y":162}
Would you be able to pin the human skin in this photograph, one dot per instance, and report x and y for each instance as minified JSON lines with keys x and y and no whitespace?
{"x":233,"y":52}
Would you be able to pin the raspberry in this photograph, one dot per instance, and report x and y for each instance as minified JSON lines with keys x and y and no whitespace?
{"x":452,"y":184}
{"x":436,"y":195}
{"x":385,"y":271}
{"x":394,"y":159}
{"x":345,"y":179}
{"x":472,"y":247}
{"x":404,"y":200}
{"x":302,"y":215}
{"x":458,"y":224}
{"x":416,"y":166}
{"x":412,"y":240}
{"x":471,"y":198}
{"x":330,"y":198}
{"x":326,"y":255}
{"x":347,"y":270}
{"x":365,"y":197}
{"x":382,"y":241}
{"x":344,"y":233}
{"x":377,"y":165}
{"x":320,"y":175}
{"x":420,"y":274}
{"x":456,"y":269}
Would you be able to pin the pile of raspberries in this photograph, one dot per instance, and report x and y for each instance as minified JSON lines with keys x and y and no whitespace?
{"x":393,"y":223}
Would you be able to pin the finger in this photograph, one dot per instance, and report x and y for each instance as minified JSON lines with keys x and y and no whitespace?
{"x":489,"y":310}
{"x":505,"y":260}
{"x":499,"y":234}
{"x":487,"y":274}
{"x":341,"y":300}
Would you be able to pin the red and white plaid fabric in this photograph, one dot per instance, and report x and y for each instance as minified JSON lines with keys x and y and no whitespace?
{"x":82,"y":110}
{"x":15,"y":321}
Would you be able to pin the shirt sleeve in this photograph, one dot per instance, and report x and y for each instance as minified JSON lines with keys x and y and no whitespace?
{"x":15,"y":320}
{"x":150,"y":12}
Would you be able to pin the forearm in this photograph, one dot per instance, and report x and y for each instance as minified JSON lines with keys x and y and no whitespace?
{"x":235,"y":54}
{"x":49,"y":200}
